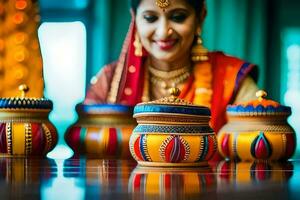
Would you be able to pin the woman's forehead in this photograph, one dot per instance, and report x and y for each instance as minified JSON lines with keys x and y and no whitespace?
{"x":151,"y":5}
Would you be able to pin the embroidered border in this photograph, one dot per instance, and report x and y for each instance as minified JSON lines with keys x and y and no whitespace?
{"x":172,"y":129}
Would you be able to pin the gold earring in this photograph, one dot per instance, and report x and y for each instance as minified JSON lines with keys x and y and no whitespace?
{"x":138,"y":48}
{"x":199,"y":52}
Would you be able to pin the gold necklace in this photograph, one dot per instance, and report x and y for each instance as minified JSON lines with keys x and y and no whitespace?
{"x":171,"y":82}
{"x":166,"y":80}
{"x":168,"y":75}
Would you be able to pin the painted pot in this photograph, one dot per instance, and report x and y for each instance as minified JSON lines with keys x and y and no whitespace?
{"x":172,"y":132}
{"x":257,"y":130}
{"x":102,"y":131}
{"x":25,"y":129}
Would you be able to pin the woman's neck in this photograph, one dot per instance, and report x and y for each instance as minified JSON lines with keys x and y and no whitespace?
{"x":168,"y":66}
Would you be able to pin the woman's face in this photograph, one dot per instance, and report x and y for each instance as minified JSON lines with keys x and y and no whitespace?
{"x":166,"y":35}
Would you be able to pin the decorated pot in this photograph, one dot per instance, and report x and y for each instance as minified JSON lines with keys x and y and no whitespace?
{"x":172,"y":132}
{"x":102,"y":131}
{"x":257,"y":130}
{"x":25,"y":129}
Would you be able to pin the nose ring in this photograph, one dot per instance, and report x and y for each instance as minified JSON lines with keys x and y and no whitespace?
{"x":170,"y":31}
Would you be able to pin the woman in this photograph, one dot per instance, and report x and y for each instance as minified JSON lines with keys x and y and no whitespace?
{"x":163,"y":49}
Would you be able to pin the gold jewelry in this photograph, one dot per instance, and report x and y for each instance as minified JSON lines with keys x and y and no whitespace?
{"x":199,"y":52}
{"x":167,"y":75}
{"x":170,"y":31}
{"x":163,"y":4}
{"x":138,"y":47}
{"x":166,"y":80}
{"x":173,"y":82}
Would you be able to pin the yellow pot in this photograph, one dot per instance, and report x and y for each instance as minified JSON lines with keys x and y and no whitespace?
{"x":172,"y":132}
{"x":257,"y":130}
{"x":25,"y":129}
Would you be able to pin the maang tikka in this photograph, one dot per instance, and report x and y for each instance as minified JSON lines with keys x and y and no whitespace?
{"x":163,"y":4}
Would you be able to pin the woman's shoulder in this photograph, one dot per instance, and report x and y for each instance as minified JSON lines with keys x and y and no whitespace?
{"x":107,"y":69}
{"x":222,"y":61}
{"x":100,"y":85}
{"x":221,"y":57}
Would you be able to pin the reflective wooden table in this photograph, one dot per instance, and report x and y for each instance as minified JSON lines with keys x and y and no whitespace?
{"x":120,"y":179}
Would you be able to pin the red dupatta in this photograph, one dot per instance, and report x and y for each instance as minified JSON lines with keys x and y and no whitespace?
{"x":128,"y":80}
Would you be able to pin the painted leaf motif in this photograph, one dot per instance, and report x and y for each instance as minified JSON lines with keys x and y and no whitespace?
{"x":140,"y":148}
{"x":260,"y":147}
{"x":174,"y":150}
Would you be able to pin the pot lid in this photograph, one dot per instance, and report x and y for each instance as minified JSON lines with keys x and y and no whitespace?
{"x":171,"y":105}
{"x":259,"y":107}
{"x":103,"y":109}
{"x":24,"y":102}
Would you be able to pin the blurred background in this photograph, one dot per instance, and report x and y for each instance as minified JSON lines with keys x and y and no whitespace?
{"x":77,"y":37}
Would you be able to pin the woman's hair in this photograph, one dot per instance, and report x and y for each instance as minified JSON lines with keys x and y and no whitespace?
{"x":196,"y":4}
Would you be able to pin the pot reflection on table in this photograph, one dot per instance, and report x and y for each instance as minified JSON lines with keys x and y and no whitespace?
{"x":250,"y":173}
{"x":170,"y":183}
{"x":22,"y":177}
{"x":101,"y":177}
{"x":26,"y":171}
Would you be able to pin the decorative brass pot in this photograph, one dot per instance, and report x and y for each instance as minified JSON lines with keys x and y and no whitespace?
{"x":257,"y":130}
{"x":25,"y":129}
{"x":102,"y":131}
{"x":172,"y":132}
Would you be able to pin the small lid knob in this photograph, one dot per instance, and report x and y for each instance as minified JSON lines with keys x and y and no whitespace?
{"x":261,"y":94}
{"x":24,"y":89}
{"x":174,"y":92}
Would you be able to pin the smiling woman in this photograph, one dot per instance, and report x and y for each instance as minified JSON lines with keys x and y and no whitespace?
{"x":167,"y":34}
{"x":163,"y":49}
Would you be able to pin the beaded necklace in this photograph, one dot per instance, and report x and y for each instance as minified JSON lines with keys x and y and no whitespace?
{"x":199,"y":91}
{"x":163,"y":80}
